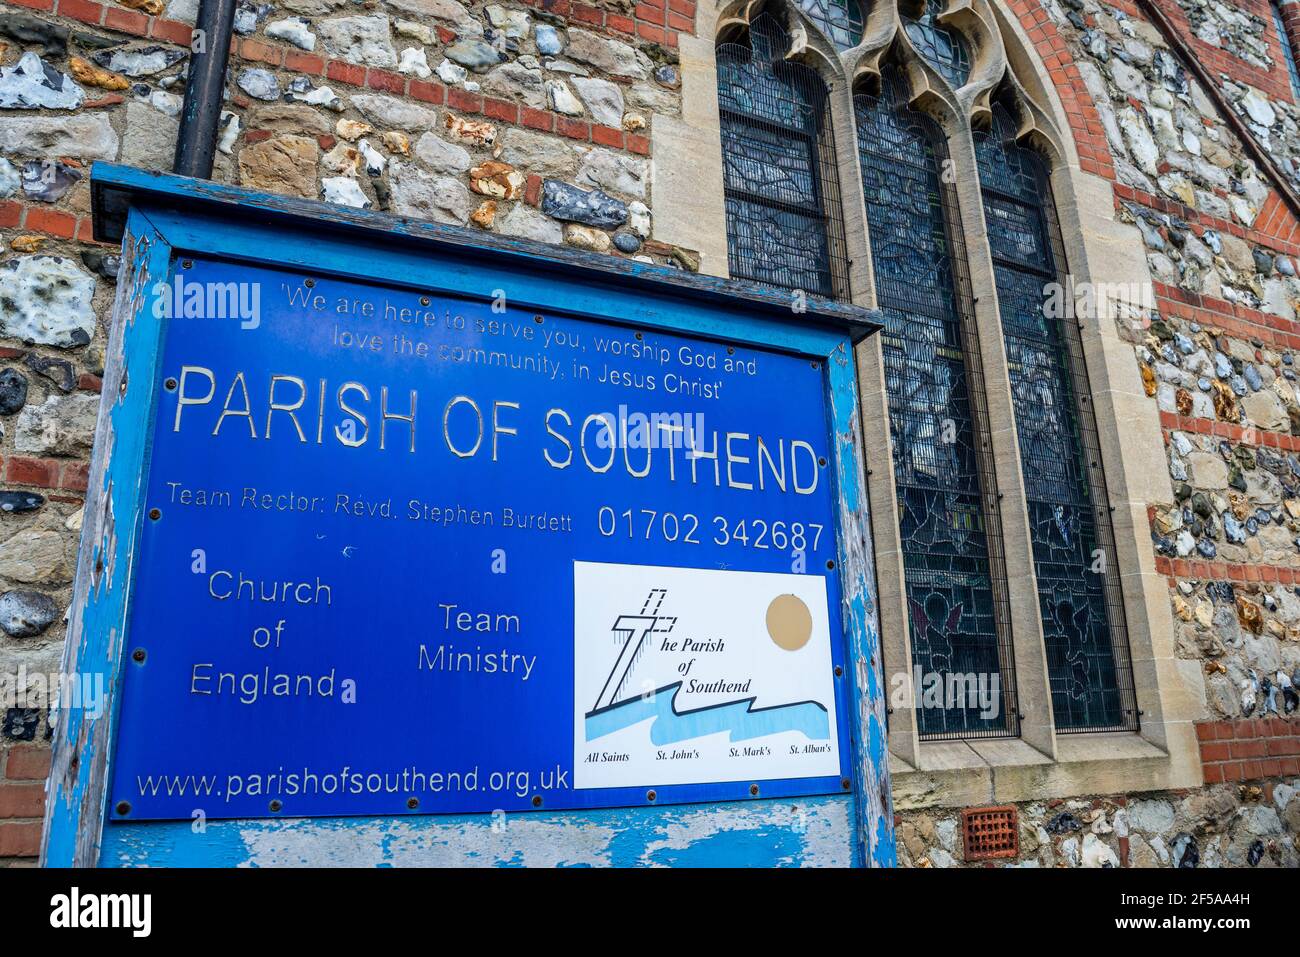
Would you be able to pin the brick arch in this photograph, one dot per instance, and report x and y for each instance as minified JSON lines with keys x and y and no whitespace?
{"x":1081,"y":114}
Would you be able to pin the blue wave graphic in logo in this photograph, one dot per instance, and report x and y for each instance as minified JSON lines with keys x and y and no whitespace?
{"x":740,"y":718}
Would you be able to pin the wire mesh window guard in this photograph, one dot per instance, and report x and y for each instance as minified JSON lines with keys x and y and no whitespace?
{"x":945,"y":50}
{"x":840,"y":20}
{"x":784,"y":225}
{"x":1288,"y":54}
{"x":1082,"y":610}
{"x":950,"y":526}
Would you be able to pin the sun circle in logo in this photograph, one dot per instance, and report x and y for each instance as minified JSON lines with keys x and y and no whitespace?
{"x":789,"y":622}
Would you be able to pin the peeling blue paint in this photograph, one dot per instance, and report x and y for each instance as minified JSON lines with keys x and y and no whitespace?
{"x":101,"y":591}
{"x":813,"y":832}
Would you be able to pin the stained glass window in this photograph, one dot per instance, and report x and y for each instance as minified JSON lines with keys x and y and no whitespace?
{"x":1073,"y":544}
{"x":782,"y":199}
{"x":955,"y":579}
{"x":943,"y":49}
{"x":1287,"y":53}
{"x":840,"y":20}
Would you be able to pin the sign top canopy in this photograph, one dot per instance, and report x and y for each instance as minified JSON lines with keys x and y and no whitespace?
{"x":114,"y":189}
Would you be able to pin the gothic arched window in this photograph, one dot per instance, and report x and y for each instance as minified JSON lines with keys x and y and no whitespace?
{"x":947,"y":496}
{"x":840,"y":20}
{"x":1074,"y":553}
{"x":782,"y":195}
{"x":943,"y":49}
{"x":959,"y":617}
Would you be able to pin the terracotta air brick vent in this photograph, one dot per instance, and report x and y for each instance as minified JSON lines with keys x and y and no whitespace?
{"x":990,"y":833}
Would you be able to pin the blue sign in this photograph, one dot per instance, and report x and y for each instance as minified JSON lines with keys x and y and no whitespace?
{"x":414,"y":553}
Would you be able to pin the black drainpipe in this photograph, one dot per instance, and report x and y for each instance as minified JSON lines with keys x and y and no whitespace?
{"x":204,"y":88}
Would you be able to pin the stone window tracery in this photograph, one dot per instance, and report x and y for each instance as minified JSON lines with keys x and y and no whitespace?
{"x":945,"y":50}
{"x":840,"y":20}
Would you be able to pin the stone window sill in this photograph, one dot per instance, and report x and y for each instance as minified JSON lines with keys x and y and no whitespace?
{"x":1007,"y":770}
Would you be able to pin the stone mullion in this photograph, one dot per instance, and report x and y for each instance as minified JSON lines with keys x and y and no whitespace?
{"x":862,"y":281}
{"x":873,"y":404}
{"x":891,"y":584}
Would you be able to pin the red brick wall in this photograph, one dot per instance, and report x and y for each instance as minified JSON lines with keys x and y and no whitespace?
{"x":659,"y":21}
{"x":22,"y":799}
{"x":1249,"y":749}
